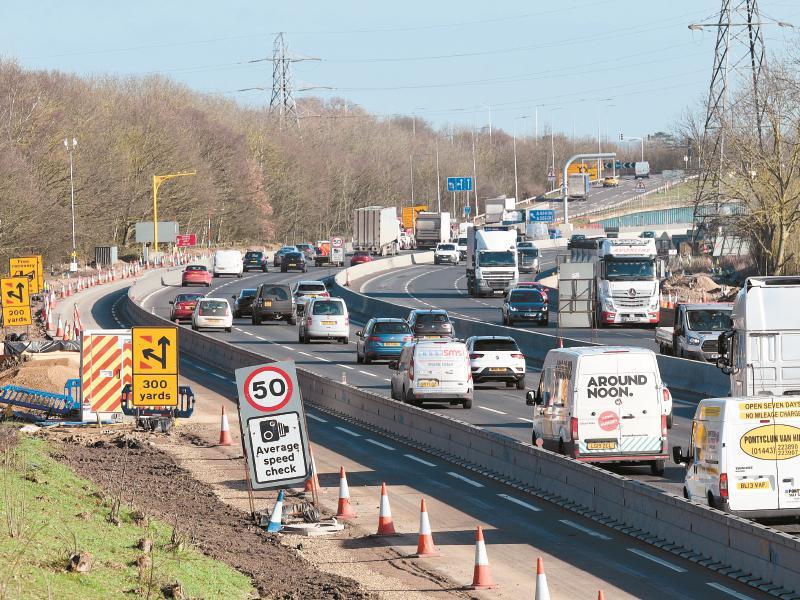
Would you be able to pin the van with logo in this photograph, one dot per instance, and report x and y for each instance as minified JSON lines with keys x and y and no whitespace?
{"x":744,"y":456}
{"x":602,"y":404}
{"x":433,"y":371}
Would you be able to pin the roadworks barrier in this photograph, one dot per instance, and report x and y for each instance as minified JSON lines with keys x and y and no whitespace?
{"x":749,"y":552}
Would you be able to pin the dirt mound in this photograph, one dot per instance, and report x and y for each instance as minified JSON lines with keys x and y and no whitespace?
{"x":46,"y":375}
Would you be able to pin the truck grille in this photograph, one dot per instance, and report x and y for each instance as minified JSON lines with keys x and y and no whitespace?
{"x":623,"y":300}
{"x":710,"y":346}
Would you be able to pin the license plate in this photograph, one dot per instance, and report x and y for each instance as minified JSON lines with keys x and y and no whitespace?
{"x":391,"y":343}
{"x":497,"y":370}
{"x":428,"y":383}
{"x":601,"y":445}
{"x":329,"y":322}
{"x":214,"y":320}
{"x":267,"y":302}
{"x":531,"y":314}
{"x":628,"y":319}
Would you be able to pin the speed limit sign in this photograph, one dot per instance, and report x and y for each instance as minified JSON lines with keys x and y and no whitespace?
{"x":268,"y":388}
{"x":337,"y":242}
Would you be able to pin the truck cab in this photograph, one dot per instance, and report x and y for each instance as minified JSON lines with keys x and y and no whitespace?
{"x":491,"y":260}
{"x":627,"y":282}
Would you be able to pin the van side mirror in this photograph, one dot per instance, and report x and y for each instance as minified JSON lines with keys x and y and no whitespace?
{"x":532,"y":398}
{"x":723,"y":349}
{"x":678,"y":457}
{"x":359,"y":333}
{"x":234,"y":296}
{"x":393,"y":365}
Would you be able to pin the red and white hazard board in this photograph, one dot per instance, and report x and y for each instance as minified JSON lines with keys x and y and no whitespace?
{"x":105,"y":369}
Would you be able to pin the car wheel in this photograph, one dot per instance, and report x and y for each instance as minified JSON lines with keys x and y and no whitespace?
{"x":521,"y":384}
{"x":237,"y":314}
{"x":467,"y":403}
{"x":657,"y":468}
{"x":359,"y":360}
{"x":509,"y":384}
{"x":511,"y":322}
{"x":300,"y":337}
{"x":561,"y":449}
{"x":283,"y":270}
{"x":544,"y":323}
{"x":229,"y":329}
{"x":208,"y":285}
{"x":505,"y":320}
{"x":239,"y":276}
{"x":686,"y":493}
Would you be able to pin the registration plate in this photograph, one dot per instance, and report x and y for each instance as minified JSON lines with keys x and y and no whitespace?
{"x":628,"y":319}
{"x":497,"y":370}
{"x":601,"y":445}
{"x":391,"y":343}
{"x":531,"y":314}
{"x":215,"y":320}
{"x":428,"y":383}
{"x":329,"y":322}
{"x":267,"y":302}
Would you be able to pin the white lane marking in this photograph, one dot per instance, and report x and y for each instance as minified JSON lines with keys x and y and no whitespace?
{"x":245,"y":332}
{"x":146,"y":298}
{"x":258,"y":337}
{"x":304,"y":353}
{"x":316,"y":418}
{"x":585,"y":530}
{"x":376,"y":443}
{"x":655,"y":559}
{"x":322,"y":359}
{"x":465,"y":479}
{"x":729,"y":591}
{"x":419,"y":460}
{"x":348,"y":432}
{"x":499,"y":412}
{"x":218,"y":376}
{"x":345,"y":366}
{"x":386,"y":379}
{"x":367,"y":373}
{"x":286,"y":347}
{"x":520,"y":502}
{"x":392,"y":272}
{"x":526,"y":420}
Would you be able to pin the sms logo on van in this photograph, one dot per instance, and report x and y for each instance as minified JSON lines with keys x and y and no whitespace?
{"x":772,"y":442}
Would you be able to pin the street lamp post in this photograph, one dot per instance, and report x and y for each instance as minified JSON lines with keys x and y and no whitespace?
{"x":623,"y":138}
{"x":438,"y":180}
{"x":157,"y":181}
{"x":73,"y":261}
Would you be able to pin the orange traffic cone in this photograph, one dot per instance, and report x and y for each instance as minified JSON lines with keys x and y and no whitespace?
{"x":312,"y":483}
{"x":425,"y":546}
{"x":600,"y":595}
{"x":49,"y":319}
{"x":60,"y":328}
{"x":385,"y":521}
{"x":482,"y":575}
{"x":345,"y":509}
{"x":542,"y":592}
{"x":67,"y":337}
{"x":224,"y":430}
{"x":560,"y":342}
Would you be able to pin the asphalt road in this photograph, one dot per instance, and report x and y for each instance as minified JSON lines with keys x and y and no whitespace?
{"x":581,"y":555}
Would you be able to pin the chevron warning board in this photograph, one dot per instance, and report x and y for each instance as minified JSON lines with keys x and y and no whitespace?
{"x":105,"y":368}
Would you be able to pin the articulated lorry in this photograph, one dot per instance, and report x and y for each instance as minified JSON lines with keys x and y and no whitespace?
{"x":761,"y":352}
{"x":695,"y":331}
{"x":431,"y":229}
{"x":376,"y":230}
{"x":491,"y":259}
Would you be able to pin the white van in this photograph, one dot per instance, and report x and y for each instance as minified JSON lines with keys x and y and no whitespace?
{"x":433,"y":371}
{"x":228,"y":262}
{"x":744,"y":456}
{"x":603,"y":404}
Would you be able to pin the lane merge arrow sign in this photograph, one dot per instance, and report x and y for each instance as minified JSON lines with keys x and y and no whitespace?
{"x":155,"y":366}
{"x":15,"y":296}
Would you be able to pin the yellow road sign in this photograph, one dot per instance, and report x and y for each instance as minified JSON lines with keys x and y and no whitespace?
{"x":155,"y":366}
{"x":16,"y":300}
{"x":30,"y":267}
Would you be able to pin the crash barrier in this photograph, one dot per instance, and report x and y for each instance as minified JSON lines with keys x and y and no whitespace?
{"x":690,"y":377}
{"x":722,"y":542}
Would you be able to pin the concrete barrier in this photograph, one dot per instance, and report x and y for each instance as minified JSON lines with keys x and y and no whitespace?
{"x":750,"y":552}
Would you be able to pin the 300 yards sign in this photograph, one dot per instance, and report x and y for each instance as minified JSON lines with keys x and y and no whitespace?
{"x":273,"y":425}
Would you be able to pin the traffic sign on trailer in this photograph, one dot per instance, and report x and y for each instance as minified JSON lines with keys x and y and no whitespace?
{"x":155,"y":366}
{"x":16,"y":301}
{"x":273,"y":425}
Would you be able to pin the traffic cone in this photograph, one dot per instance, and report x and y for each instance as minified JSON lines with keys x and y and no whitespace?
{"x":49,"y":320}
{"x":77,"y":319}
{"x":345,"y":509}
{"x":67,"y":337}
{"x":312,"y":483}
{"x":600,"y":595}
{"x":224,"y":430}
{"x":482,"y":575}
{"x":385,"y":522}
{"x":560,"y":342}
{"x":542,"y":593}
{"x":275,"y":518}
{"x":425,"y":546}
{"x":53,"y":298}
{"x":60,"y":328}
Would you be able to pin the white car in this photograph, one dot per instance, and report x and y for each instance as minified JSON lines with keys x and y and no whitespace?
{"x":325,"y":318}
{"x":307,"y":290}
{"x":212,"y":313}
{"x":446,"y":253}
{"x":433,"y":371}
{"x":496,"y":358}
{"x":406,"y":241}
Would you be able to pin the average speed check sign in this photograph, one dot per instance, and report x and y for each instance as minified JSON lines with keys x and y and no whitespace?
{"x":273,"y":425}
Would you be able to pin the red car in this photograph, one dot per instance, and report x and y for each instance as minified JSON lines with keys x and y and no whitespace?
{"x":534,"y":285}
{"x":360,"y":258}
{"x":196,"y":275}
{"x":183,"y":307}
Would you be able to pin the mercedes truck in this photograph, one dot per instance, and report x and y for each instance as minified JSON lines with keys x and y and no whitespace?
{"x":627,"y":283}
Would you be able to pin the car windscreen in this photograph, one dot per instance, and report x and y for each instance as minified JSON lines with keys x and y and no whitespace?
{"x":709,"y":320}
{"x":247,"y":292}
{"x":496,"y":345}
{"x":311,"y":287}
{"x":630,"y":268}
{"x":497,"y":259}
{"x":275,"y":293}
{"x":196,"y":268}
{"x":187,"y":297}
{"x":432,"y":319}
{"x":360,"y":254}
{"x":328,"y":308}
{"x":529,"y":252}
{"x":446,"y":247}
{"x":252,"y":255}
{"x":213,"y":308}
{"x":293,"y":256}
{"x":462,"y":241}
{"x":525,"y":296}
{"x":390,"y":327}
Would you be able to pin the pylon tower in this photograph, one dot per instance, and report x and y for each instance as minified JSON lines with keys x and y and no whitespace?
{"x":282,"y":101}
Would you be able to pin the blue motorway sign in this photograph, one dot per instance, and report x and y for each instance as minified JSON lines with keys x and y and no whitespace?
{"x":467,"y":210}
{"x":459,"y":184}
{"x":541,"y":216}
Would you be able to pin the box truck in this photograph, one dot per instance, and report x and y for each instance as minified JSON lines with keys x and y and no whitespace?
{"x":432,"y":228}
{"x":376,"y":230}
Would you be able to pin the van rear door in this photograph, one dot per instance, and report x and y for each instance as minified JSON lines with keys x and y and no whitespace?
{"x":597,"y":408}
{"x":441,"y":367}
{"x":787,"y":430}
{"x":751,"y":466}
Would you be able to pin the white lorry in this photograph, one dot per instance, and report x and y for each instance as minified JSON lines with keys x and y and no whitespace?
{"x":744,"y":456}
{"x":491,"y":260}
{"x":761,"y":353}
{"x":495,"y":207}
{"x":375,"y":230}
{"x":696,"y":330}
{"x":431,"y":229}
{"x":578,"y":186}
{"x":627,"y":284}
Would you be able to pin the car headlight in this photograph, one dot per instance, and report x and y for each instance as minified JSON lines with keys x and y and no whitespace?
{"x":512,"y":308}
{"x":694,"y":341}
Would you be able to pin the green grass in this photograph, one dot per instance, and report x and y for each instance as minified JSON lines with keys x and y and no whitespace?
{"x":53,"y":512}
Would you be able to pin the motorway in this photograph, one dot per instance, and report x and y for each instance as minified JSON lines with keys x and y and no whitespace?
{"x":585,"y":555}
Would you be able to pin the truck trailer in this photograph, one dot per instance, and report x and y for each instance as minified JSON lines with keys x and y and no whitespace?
{"x":376,"y":230}
{"x":432,"y":229}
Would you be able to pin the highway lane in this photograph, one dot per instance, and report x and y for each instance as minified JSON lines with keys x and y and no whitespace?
{"x":581,"y":556}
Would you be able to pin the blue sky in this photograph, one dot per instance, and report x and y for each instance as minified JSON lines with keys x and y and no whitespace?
{"x":618,"y":65}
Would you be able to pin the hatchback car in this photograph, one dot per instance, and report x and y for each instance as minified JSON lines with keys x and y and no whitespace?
{"x":304,"y":291}
{"x":446,"y":253}
{"x":212,"y":313}
{"x":430,"y":324}
{"x":293,"y":261}
{"x":273,"y":302}
{"x":534,"y":285}
{"x":183,"y":307}
{"x":278,"y":256}
{"x":256,"y":260}
{"x":360,"y":258}
{"x":610,"y":181}
{"x":495,"y":358}
{"x":381,"y":338}
{"x":243,"y":303}
{"x":325,"y":318}
{"x":525,"y":305}
{"x":196,"y":275}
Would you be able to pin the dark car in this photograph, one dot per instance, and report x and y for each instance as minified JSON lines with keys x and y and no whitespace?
{"x":577,"y":237}
{"x":648,"y":234}
{"x":254,"y":259}
{"x":381,"y":338}
{"x":273,"y":302}
{"x":525,"y":305}
{"x":243,"y":303}
{"x":278,"y":257}
{"x":293,"y":260}
{"x":430,"y":324}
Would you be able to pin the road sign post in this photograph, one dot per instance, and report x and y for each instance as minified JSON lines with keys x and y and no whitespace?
{"x":459,"y":184}
{"x":155,"y":366}
{"x":16,"y":299}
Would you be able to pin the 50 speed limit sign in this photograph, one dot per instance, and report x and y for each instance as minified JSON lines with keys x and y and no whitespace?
{"x":268,"y":388}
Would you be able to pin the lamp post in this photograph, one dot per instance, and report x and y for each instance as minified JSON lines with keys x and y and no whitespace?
{"x":157,"y":181}
{"x":73,"y":259}
{"x":623,"y":138}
